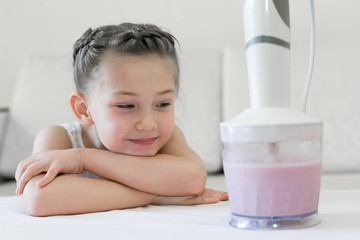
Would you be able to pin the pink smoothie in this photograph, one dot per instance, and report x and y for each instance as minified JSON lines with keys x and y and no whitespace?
{"x":260,"y":190}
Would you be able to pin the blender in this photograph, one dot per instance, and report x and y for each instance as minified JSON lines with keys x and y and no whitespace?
{"x":272,"y":152}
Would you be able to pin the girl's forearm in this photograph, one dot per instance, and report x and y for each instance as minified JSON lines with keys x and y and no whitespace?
{"x":73,"y":195}
{"x":161,"y":174}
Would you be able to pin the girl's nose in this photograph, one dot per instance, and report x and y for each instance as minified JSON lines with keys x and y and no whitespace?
{"x":146,"y":123}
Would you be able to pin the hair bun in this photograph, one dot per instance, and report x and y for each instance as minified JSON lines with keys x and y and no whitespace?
{"x":88,"y":39}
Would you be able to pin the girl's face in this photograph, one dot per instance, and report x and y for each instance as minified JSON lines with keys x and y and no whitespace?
{"x":132,"y":107}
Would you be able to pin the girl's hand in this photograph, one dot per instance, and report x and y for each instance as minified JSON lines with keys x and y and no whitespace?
{"x":52,"y":162}
{"x":207,"y":197}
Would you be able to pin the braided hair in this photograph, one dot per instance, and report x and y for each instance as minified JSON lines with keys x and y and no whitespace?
{"x":126,"y":39}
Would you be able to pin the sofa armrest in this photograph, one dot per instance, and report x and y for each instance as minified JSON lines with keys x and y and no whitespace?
{"x":4,"y":121}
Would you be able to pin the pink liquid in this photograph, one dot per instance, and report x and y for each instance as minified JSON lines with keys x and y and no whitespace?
{"x":276,"y":190}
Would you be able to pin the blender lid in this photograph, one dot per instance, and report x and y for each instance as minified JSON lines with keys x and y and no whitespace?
{"x":270,"y":125}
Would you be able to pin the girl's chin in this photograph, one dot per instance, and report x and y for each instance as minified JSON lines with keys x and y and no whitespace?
{"x":129,"y":148}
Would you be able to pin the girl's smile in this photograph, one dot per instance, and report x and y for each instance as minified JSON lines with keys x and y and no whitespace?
{"x":143,"y":141}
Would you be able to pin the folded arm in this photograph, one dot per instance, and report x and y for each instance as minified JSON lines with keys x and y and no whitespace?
{"x":133,"y":178}
{"x":75,"y":195}
{"x":179,"y":174}
{"x":176,"y":171}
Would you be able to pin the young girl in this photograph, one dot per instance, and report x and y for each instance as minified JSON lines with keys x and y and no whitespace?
{"x":125,"y":151}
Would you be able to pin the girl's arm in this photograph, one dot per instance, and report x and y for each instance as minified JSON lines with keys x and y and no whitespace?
{"x":71,"y":195}
{"x":177,"y":171}
{"x":74,"y":195}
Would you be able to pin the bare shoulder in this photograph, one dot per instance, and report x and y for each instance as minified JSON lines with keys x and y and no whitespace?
{"x":176,"y":138}
{"x":51,"y":138}
{"x":177,"y":145}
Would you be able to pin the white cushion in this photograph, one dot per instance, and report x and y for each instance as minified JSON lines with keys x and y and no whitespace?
{"x":199,"y":106}
{"x":41,"y":98}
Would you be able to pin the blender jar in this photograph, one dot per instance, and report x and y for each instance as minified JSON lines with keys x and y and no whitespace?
{"x":273,"y":182}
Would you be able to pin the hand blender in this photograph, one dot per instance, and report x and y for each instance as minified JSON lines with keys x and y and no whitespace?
{"x":271,"y":151}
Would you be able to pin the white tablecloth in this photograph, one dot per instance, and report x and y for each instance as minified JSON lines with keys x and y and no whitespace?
{"x":339,"y":211}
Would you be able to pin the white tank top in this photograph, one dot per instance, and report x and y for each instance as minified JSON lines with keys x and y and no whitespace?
{"x":75,"y":134}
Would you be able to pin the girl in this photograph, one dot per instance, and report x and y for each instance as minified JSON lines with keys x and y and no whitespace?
{"x":125,"y":147}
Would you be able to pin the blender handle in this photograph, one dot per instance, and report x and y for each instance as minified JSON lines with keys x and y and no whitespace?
{"x":312,"y":51}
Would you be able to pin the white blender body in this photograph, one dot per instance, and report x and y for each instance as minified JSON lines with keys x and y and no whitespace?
{"x":271,"y":152}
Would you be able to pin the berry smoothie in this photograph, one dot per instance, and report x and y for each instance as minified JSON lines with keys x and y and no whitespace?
{"x":273,"y":190}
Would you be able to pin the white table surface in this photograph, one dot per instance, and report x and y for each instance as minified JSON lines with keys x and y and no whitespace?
{"x":339,"y":211}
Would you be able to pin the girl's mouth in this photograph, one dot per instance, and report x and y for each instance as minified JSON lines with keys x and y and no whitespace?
{"x":143,"y":141}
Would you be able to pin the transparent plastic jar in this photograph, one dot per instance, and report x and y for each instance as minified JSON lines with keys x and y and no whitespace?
{"x":273,"y":184}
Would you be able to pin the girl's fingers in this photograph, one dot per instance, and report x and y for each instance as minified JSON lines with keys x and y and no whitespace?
{"x":207,"y":197}
{"x":203,"y":200}
{"x":22,"y":166}
{"x":49,"y":176}
{"x":209,"y":200}
{"x":224,"y":196}
{"x":214,"y":196}
{"x":32,"y":170}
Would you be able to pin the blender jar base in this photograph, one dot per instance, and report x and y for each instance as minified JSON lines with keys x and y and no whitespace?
{"x":273,"y":223}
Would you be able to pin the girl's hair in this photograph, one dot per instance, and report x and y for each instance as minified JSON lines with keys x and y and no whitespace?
{"x":124,"y":39}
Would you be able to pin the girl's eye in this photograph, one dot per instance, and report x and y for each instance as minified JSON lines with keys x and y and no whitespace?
{"x":126,"y":106}
{"x":163,"y":105}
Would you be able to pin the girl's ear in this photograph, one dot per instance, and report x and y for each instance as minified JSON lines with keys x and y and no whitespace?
{"x":80,"y":109}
